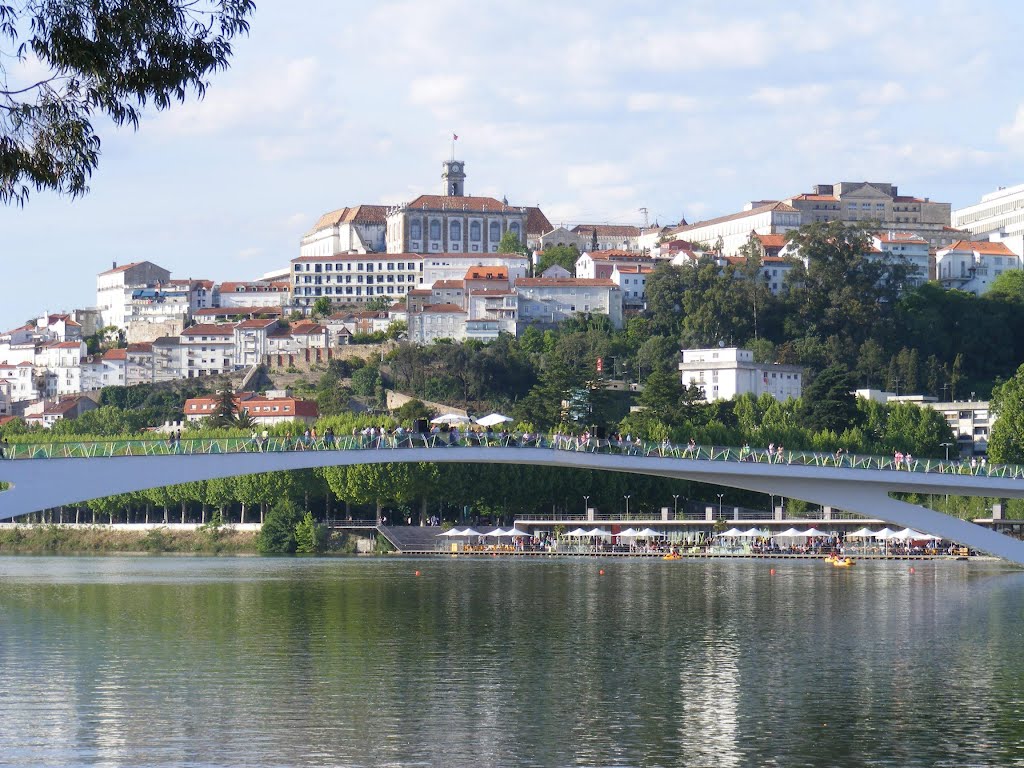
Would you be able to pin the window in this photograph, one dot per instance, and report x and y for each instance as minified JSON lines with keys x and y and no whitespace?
{"x":494,"y":232}
{"x":435,"y":229}
{"x":415,"y":229}
{"x":475,"y":231}
{"x":455,"y":231}
{"x":514,"y":228}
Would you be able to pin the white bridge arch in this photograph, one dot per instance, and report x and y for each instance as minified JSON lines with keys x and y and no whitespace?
{"x":51,"y":482}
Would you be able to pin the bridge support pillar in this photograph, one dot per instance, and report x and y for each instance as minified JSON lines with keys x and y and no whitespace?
{"x":590,"y":514}
{"x":735,"y":513}
{"x":709,"y":514}
{"x":777,"y":512}
{"x":664,"y":514}
{"x":826,"y":513}
{"x":997,"y":511}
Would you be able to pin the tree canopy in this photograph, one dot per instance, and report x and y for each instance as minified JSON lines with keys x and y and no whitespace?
{"x":100,"y":59}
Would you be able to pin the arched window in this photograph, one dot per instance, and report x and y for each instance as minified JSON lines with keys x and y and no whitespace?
{"x":514,"y":229}
{"x":495,"y":232}
{"x":455,"y":231}
{"x":475,"y":231}
{"x":415,"y":229}
{"x":435,"y":229}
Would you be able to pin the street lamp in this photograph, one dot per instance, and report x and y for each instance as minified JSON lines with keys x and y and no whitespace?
{"x":626,"y":497}
{"x":720,"y":505}
{"x":675,"y":505}
{"x":946,"y":446}
{"x":586,"y":506}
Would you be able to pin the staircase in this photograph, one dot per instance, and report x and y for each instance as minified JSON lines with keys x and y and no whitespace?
{"x":407,"y":538}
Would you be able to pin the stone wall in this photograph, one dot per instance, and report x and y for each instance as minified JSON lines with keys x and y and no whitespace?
{"x":396,"y":400}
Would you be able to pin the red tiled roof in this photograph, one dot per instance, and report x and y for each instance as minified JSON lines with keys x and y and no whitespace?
{"x":115,"y":354}
{"x":633,"y":269}
{"x":419,"y":292}
{"x":361,"y":214}
{"x":607,"y":230}
{"x":229,"y":311}
{"x":122,"y":268}
{"x":64,"y":345}
{"x":209,"y":329}
{"x":468,"y":204}
{"x":536,"y":222}
{"x":907,"y":199}
{"x":51,"y":319}
{"x":307,"y":329}
{"x":142,"y":346}
{"x":487,"y":273}
{"x":449,"y":285}
{"x":772,"y":241}
{"x":256,"y":323}
{"x":615,"y":255}
{"x":564,"y":282}
{"x":981,"y":246}
{"x":816,"y":198}
{"x":444,"y":309}
{"x":901,"y":237}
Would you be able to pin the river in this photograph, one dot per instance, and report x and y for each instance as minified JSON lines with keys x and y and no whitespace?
{"x":175,"y":661}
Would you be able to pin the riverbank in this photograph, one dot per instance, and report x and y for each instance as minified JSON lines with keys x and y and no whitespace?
{"x":59,"y":539}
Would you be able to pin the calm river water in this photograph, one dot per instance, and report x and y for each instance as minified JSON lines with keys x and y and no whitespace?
{"x":165,"y":661}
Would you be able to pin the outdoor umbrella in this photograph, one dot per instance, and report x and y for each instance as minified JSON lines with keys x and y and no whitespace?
{"x":650,"y":533}
{"x":598,"y":532}
{"x":515,"y":532}
{"x":790,"y":533}
{"x":451,"y":418}
{"x":884,"y":534}
{"x":755,"y":533}
{"x":629,"y":533}
{"x":732,"y":533}
{"x":814,"y":532}
{"x":861,"y":533}
{"x":577,"y":533}
{"x":451,"y":532}
{"x":497,"y":533}
{"x":492,"y":419}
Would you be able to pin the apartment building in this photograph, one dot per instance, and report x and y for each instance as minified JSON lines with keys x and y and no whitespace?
{"x":723,"y":373}
{"x":972,"y":266}
{"x":354,"y":278}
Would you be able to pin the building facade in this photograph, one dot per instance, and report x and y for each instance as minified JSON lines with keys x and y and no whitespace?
{"x":973,"y":266}
{"x":354,"y":278}
{"x":724,"y":373}
{"x":114,"y":288}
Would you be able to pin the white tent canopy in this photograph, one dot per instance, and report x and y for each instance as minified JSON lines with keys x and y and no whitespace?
{"x":790,"y":533}
{"x":577,"y":533}
{"x":650,"y":533}
{"x":861,"y":533}
{"x":754,"y":533}
{"x":515,"y":532}
{"x":629,"y":533}
{"x":497,"y":533}
{"x":598,"y":532}
{"x":492,"y":419}
{"x":814,"y":532}
{"x":732,"y":533}
{"x":451,"y":532}
{"x":451,"y":418}
{"x":907,"y":534}
{"x":885,"y":533}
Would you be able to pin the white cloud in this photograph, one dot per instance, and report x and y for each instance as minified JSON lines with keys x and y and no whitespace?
{"x":1013,"y":133}
{"x":438,"y":89}
{"x":884,"y":94}
{"x":248,"y":254}
{"x":595,"y":174}
{"x":799,"y":95}
{"x":659,"y":102}
{"x":278,"y":92}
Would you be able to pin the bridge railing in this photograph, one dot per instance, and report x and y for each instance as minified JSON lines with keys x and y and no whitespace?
{"x":360,"y":442}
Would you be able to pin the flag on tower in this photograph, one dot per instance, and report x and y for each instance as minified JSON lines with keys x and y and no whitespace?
{"x":455,"y":137}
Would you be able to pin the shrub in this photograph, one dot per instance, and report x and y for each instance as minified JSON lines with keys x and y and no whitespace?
{"x":277,"y":535}
{"x":308,"y":535}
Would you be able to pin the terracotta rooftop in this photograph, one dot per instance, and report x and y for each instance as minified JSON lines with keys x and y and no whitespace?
{"x":122,"y":268}
{"x":563,"y":282}
{"x":607,"y":230}
{"x":981,"y":246}
{"x":902,"y":237}
{"x":487,"y":273}
{"x":363,"y":214}
{"x":256,"y":323}
{"x":231,"y":311}
{"x":444,"y":309}
{"x":536,"y":222}
{"x":115,"y":354}
{"x":210,"y":329}
{"x":254,"y":287}
{"x":779,"y":207}
{"x":468,"y":204}
{"x":772,"y":241}
{"x":448,"y":285}
{"x":361,"y":257}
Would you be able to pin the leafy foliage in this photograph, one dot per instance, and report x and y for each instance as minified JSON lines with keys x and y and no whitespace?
{"x":105,"y":60}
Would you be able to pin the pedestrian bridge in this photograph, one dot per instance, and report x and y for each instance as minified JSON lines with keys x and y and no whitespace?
{"x":46,"y":475}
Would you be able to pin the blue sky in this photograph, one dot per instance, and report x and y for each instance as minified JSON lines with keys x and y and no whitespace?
{"x":591,"y":109}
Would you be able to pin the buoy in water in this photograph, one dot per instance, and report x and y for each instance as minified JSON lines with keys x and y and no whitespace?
{"x":417,"y":573}
{"x":772,"y":572}
{"x":601,"y":572}
{"x":912,"y":569}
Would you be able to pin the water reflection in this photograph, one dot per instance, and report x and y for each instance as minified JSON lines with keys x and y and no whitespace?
{"x":180,"y":661}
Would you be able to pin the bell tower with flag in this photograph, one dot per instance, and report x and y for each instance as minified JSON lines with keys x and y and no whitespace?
{"x":453,"y":174}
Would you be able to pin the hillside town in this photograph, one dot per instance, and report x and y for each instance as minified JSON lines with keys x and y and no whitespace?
{"x":459,"y":267}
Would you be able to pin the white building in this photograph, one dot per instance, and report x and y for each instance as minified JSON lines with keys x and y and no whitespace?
{"x":21,"y":380}
{"x":168,"y":359}
{"x":632,"y":279}
{"x":275,"y":407}
{"x":733,"y":232}
{"x":973,"y":266}
{"x":114,"y":288}
{"x":598,"y":265}
{"x":64,"y":360}
{"x":998,"y":213}
{"x":453,"y":222}
{"x":437,"y":321}
{"x":251,"y":341}
{"x":354,"y":278}
{"x":547,"y":300}
{"x":359,"y":229}
{"x":455,"y":266}
{"x":912,"y":247}
{"x":724,"y":373}
{"x":208,"y":350}
{"x":255,"y":294}
{"x":607,"y":237}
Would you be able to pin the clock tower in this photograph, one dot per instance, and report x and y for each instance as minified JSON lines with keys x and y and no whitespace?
{"x":453,"y":176}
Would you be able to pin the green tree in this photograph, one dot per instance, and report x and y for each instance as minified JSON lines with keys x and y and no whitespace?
{"x":510,"y":243}
{"x":379,"y":303}
{"x":308,"y":535}
{"x":322,"y":307}
{"x":224,"y":415}
{"x":1009,"y":286}
{"x":366,"y":380}
{"x":1006,"y":440}
{"x":828,"y":403}
{"x":277,"y":534}
{"x":564,"y":256}
{"x":101,"y":61}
